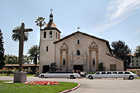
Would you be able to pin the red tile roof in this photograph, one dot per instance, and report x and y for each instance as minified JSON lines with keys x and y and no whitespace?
{"x":51,"y":26}
{"x":14,"y":65}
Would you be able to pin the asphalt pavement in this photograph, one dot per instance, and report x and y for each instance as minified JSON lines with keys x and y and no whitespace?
{"x":95,"y":85}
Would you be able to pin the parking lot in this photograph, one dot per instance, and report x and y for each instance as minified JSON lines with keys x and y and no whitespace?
{"x":95,"y":85}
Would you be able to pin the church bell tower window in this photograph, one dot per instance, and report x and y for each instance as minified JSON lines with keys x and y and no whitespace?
{"x":56,"y":34}
{"x":44,"y":35}
{"x":46,"y":48}
{"x":50,"y":34}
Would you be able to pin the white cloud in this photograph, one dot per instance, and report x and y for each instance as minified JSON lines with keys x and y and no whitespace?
{"x":137,"y":32}
{"x":105,"y":26}
{"x":118,"y":11}
{"x":122,"y":8}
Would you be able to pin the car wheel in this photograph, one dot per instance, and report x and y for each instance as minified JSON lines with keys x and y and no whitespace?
{"x":72,"y":77}
{"x":42,"y":76}
{"x":131,"y":77}
{"x":90,"y":77}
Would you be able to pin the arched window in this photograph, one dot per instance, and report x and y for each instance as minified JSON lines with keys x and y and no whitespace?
{"x":47,"y":48}
{"x":93,"y":61}
{"x":50,"y":34}
{"x":78,"y":52}
{"x":64,"y":62}
{"x":78,"y":42}
{"x":44,"y":35}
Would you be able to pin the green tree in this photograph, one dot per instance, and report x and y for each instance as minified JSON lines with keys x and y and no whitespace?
{"x":1,"y":51}
{"x":16,"y":35}
{"x":137,"y":51}
{"x":33,"y":53}
{"x":101,"y":67}
{"x":40,"y":22}
{"x":121,"y":50}
{"x":26,"y":59}
{"x":11,"y":59}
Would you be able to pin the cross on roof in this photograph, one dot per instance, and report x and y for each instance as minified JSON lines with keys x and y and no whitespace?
{"x":51,"y":10}
{"x":78,"y":28}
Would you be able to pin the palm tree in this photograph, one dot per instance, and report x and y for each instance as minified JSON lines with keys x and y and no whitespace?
{"x":33,"y":53}
{"x":16,"y":35}
{"x":40,"y":22}
{"x":26,"y":59}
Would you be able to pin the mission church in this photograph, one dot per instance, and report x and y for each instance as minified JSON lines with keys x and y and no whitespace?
{"x":77,"y":51}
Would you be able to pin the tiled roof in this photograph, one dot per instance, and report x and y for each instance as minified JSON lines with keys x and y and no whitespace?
{"x":114,"y":57}
{"x":51,"y":26}
{"x":132,"y":54}
{"x":30,"y":65}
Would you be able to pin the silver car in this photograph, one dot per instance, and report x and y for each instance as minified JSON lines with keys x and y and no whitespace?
{"x":112,"y":74}
{"x":70,"y":75}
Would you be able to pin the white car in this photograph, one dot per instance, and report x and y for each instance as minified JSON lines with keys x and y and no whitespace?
{"x":70,"y":75}
{"x":112,"y":74}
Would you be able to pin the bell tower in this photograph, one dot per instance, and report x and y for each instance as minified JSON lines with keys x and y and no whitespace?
{"x":48,"y":36}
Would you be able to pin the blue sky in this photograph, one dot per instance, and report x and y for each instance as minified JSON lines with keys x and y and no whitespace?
{"x":112,"y":20}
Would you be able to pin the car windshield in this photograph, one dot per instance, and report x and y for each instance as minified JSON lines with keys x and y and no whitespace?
{"x":97,"y":73}
{"x":126,"y":73}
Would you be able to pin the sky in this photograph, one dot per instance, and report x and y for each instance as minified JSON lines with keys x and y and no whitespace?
{"x":111,"y":20}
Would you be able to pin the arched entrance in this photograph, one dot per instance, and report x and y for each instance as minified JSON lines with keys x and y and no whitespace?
{"x":78,"y":67}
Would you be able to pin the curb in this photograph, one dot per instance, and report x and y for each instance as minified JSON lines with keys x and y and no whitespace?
{"x":65,"y":91}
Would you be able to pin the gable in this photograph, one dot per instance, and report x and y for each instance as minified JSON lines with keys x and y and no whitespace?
{"x":107,"y":43}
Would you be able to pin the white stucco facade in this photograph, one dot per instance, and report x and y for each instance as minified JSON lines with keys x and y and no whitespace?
{"x":77,"y":51}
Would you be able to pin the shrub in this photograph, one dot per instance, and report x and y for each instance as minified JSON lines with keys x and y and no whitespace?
{"x":4,"y":71}
{"x":92,"y":72}
{"x":101,"y":67}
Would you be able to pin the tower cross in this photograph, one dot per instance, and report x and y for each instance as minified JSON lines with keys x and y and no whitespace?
{"x":78,"y":28}
{"x":21,"y":43}
{"x":51,"y":10}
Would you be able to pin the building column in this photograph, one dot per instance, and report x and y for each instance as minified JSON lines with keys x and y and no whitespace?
{"x":90,"y":54}
{"x":67,"y":60}
{"x":60,"y":60}
{"x":97,"y":60}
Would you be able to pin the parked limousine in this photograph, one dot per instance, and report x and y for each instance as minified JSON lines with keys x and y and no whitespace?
{"x":112,"y":74}
{"x":70,"y":75}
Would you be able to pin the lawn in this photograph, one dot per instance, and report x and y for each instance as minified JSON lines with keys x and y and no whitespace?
{"x":138,"y":78}
{"x":12,"y":75}
{"x":22,"y":88}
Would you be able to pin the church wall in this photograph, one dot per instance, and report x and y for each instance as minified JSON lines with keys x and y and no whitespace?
{"x":47,"y":58}
{"x":112,"y":60}
{"x":84,"y":49}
